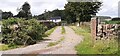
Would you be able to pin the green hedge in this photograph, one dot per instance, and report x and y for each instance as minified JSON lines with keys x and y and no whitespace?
{"x":22,"y":32}
{"x":112,"y":22}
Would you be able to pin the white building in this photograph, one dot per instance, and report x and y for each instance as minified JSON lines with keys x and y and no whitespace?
{"x":0,"y":28}
{"x":55,"y":19}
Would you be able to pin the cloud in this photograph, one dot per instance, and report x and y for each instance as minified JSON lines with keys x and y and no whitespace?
{"x":109,"y":8}
{"x":37,"y":6}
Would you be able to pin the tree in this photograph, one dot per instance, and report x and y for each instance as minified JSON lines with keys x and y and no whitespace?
{"x":116,"y":19}
{"x":83,"y":11}
{"x":24,"y":11}
{"x":69,"y":16}
{"x":49,"y":14}
{"x":6,"y":15}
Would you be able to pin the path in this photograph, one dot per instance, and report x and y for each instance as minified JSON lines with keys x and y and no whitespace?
{"x":64,"y":47}
{"x":67,"y":46}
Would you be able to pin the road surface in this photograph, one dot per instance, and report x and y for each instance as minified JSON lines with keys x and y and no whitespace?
{"x":64,"y":47}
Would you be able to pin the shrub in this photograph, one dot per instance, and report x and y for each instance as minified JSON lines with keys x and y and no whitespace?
{"x":22,"y":32}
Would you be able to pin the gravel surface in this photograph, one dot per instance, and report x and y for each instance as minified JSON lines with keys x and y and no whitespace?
{"x":67,"y":46}
{"x":64,"y":47}
{"x":55,"y":36}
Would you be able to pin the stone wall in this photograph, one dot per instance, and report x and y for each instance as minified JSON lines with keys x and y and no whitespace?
{"x":103,"y":30}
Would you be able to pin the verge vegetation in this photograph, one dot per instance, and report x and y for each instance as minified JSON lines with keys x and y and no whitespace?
{"x":55,"y":43}
{"x":100,"y":46}
{"x":47,"y":33}
{"x":63,"y":30}
{"x":18,"y":32}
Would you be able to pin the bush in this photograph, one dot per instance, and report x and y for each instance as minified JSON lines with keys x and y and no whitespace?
{"x":22,"y":32}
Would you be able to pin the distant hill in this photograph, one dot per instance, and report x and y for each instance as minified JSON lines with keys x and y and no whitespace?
{"x":116,"y":19}
{"x":104,"y":17}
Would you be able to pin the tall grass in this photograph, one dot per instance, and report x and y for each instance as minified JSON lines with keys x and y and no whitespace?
{"x":63,"y":30}
{"x":4,"y":47}
{"x":100,"y":46}
{"x":47,"y":33}
{"x":55,"y":43}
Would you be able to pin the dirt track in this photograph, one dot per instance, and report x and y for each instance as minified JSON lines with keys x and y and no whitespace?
{"x":64,"y":47}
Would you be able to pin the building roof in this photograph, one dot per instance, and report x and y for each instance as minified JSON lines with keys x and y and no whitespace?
{"x":55,"y":18}
{"x":44,"y":21}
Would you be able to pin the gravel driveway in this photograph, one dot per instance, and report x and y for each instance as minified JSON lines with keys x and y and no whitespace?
{"x":67,"y":46}
{"x":64,"y":47}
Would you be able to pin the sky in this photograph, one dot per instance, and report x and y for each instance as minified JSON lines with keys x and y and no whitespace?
{"x":109,"y":8}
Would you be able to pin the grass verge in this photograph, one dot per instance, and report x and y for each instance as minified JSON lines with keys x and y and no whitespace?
{"x":63,"y":30}
{"x":4,"y":47}
{"x":100,"y":46}
{"x":55,"y":43}
{"x":47,"y":33}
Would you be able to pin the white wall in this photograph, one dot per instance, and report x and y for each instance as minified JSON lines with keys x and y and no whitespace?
{"x":0,"y":28}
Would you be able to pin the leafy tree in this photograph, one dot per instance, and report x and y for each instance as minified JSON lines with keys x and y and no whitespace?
{"x":116,"y":19}
{"x":82,"y":10}
{"x":69,"y":16}
{"x":49,"y":14}
{"x":24,"y":11}
{"x":6,"y":15}
{"x":56,"y":12}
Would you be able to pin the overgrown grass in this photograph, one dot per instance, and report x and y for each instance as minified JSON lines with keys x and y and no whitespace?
{"x":100,"y":46}
{"x":63,"y":30}
{"x":55,"y":43}
{"x":112,"y":22}
{"x":47,"y":33}
{"x":4,"y":47}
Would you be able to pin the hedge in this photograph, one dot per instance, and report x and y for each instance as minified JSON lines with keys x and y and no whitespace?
{"x":19,"y":31}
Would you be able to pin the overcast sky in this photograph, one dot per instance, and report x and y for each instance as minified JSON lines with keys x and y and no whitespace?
{"x":109,"y":8}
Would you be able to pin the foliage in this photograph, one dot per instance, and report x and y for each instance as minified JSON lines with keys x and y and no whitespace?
{"x":24,"y":11}
{"x":55,"y":43}
{"x":112,"y":22}
{"x":8,"y":47}
{"x":100,"y":46}
{"x":69,"y":16}
{"x":6,"y":15}
{"x":63,"y":30}
{"x":50,"y":31}
{"x":81,"y":11}
{"x":3,"y":47}
{"x":116,"y":19}
{"x":50,"y":14}
{"x":22,"y":32}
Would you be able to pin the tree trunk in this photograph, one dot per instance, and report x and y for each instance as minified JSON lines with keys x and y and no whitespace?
{"x":79,"y":23}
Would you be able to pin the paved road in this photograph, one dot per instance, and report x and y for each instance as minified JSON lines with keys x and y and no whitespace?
{"x":64,"y":47}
